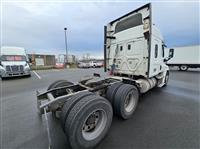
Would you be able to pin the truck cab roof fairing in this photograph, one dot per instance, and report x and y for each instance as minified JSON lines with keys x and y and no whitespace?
{"x":134,"y":11}
{"x":130,"y":22}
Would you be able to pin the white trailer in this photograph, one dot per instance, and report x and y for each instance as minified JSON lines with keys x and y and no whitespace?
{"x":136,"y":48}
{"x":13,"y":62}
{"x":186,"y":57}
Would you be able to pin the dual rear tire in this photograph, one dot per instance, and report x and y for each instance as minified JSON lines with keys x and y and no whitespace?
{"x":57,"y":84}
{"x":124,"y":99}
{"x":86,"y":119}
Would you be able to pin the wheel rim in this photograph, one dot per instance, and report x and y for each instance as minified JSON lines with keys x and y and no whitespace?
{"x":183,"y":67}
{"x":94,"y":124}
{"x":129,"y":103}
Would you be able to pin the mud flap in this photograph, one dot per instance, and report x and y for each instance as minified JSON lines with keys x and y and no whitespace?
{"x":48,"y":130}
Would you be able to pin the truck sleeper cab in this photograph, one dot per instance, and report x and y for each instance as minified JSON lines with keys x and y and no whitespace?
{"x":13,"y":62}
{"x":136,"y":45}
{"x":86,"y":108}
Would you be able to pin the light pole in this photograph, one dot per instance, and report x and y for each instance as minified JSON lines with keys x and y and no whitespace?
{"x":65,"y":29}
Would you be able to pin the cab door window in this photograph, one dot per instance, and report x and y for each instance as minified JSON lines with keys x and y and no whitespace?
{"x":156,"y":51}
{"x":163,"y":51}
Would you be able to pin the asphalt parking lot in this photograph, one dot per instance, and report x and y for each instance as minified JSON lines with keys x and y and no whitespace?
{"x":165,"y":117}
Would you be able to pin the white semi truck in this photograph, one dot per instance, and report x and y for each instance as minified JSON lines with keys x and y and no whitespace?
{"x":136,"y":47}
{"x":186,"y":57}
{"x":13,"y":62}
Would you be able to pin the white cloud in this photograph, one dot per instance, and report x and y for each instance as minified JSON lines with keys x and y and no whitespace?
{"x":39,"y":26}
{"x":37,"y":9}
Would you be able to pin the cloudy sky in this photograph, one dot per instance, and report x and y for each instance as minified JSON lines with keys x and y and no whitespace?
{"x":38,"y":26}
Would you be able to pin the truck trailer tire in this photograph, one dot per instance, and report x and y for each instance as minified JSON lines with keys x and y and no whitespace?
{"x":183,"y":67}
{"x":59,"y":83}
{"x":56,"y":84}
{"x":69,"y":104}
{"x":111,"y":91}
{"x":125,"y":102}
{"x":88,"y":122}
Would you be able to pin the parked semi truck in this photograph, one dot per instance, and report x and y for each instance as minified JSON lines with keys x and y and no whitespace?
{"x":13,"y":62}
{"x":136,"y":47}
{"x":186,"y":57}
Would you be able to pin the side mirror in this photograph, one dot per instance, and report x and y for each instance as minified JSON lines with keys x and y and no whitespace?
{"x":171,"y":53}
{"x":30,"y":60}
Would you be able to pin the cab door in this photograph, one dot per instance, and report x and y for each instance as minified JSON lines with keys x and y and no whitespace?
{"x":156,"y":56}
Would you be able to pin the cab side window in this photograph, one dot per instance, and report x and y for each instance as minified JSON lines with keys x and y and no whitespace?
{"x":121,"y":48}
{"x":156,"y":51}
{"x":129,"y":46}
{"x":163,"y":51}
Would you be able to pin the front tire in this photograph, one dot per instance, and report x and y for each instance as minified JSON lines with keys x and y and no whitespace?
{"x":29,"y":75}
{"x":88,"y":122}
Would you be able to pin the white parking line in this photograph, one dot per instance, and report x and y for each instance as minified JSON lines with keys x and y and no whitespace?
{"x":37,"y":74}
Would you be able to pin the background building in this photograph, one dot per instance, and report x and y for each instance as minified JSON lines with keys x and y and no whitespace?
{"x":71,"y":59}
{"x":40,"y":60}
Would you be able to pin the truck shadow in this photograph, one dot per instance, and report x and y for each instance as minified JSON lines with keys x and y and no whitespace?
{"x":188,"y":71}
{"x":15,"y":78}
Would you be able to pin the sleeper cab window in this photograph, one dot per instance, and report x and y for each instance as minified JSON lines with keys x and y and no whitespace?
{"x":156,"y":51}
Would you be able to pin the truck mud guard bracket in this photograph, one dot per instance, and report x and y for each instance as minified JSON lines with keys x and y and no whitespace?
{"x":48,"y":130}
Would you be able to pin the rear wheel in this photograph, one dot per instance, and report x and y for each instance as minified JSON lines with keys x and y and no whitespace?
{"x":183,"y":67}
{"x":88,"y":122}
{"x":111,"y":91}
{"x":59,"y":83}
{"x":125,"y":102}
{"x":56,"y":84}
{"x":69,"y":104}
